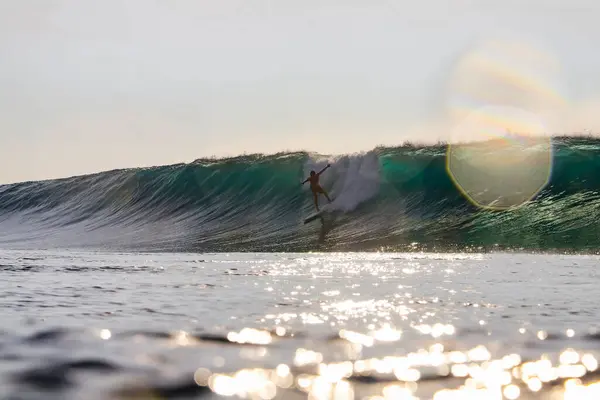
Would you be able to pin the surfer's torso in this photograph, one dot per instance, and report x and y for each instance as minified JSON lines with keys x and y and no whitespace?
{"x":314,"y":181}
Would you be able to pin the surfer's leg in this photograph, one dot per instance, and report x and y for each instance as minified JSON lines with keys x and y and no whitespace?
{"x":316,"y":198}
{"x":321,"y":190}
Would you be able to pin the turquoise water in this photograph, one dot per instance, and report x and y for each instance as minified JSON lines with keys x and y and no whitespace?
{"x":395,"y":199}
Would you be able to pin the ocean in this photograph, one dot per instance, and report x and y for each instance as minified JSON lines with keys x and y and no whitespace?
{"x":201,"y":281}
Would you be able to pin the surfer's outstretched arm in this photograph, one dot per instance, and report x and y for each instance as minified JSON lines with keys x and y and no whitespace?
{"x":323,"y":170}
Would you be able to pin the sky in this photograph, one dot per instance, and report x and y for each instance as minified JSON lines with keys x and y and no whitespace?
{"x":87,"y":86}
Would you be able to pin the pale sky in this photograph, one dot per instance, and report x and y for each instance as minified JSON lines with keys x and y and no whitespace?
{"x":88,"y":85}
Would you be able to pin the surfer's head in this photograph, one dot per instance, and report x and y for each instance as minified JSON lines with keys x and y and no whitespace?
{"x":312,"y":173}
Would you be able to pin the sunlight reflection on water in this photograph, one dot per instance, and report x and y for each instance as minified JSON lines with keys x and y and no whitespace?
{"x":318,"y":326}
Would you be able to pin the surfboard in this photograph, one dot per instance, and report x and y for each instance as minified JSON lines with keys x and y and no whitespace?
{"x":318,"y":214}
{"x":313,"y":217}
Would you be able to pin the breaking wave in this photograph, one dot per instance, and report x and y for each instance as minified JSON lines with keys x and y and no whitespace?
{"x":389,"y":198}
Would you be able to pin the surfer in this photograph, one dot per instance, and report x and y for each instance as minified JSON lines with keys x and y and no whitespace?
{"x":315,"y":187}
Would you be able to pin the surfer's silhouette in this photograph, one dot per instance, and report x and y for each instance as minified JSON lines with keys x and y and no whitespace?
{"x":315,"y":187}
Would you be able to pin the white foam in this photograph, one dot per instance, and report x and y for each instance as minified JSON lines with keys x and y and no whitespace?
{"x":350,"y":181}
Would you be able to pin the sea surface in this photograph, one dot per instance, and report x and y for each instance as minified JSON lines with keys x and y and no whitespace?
{"x":463,"y":271}
{"x":417,"y":325}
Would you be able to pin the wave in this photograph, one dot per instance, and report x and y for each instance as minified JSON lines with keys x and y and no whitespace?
{"x":391,"y":199}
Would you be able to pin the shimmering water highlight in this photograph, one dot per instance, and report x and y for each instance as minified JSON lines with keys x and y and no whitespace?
{"x":296,"y":326}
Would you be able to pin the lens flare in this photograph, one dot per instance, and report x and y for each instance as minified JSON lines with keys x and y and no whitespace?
{"x":503,"y":102}
{"x":505,"y":171}
{"x":511,"y":73}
